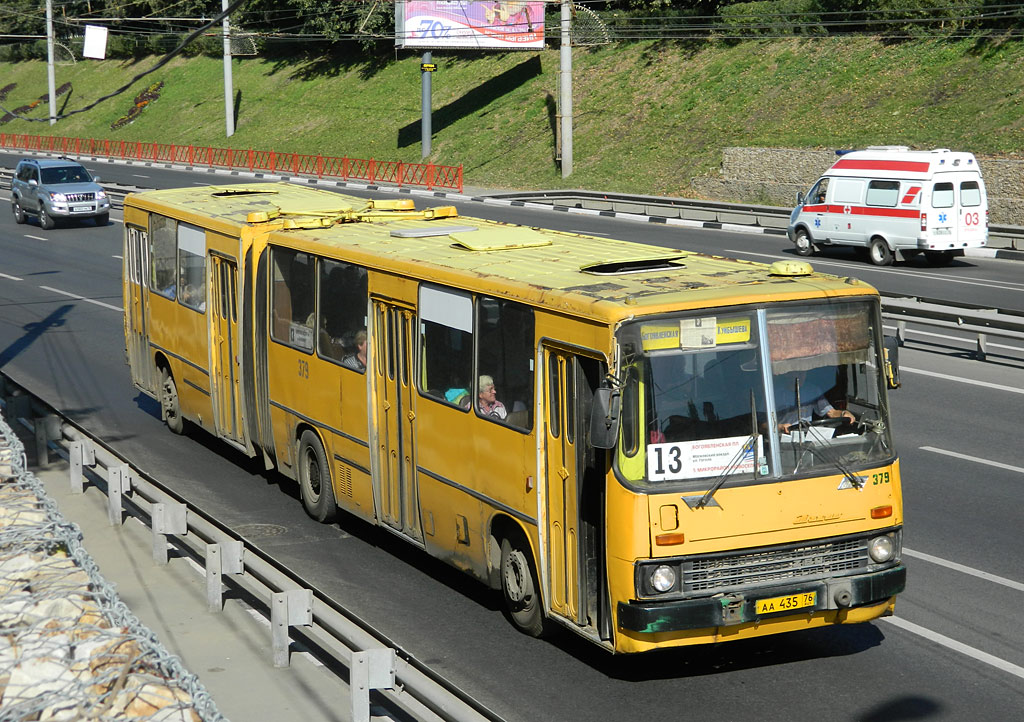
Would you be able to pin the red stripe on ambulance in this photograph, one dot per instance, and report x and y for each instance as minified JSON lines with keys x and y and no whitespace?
{"x":907,"y":166}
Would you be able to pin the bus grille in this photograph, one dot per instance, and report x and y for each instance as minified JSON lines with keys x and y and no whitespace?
{"x":711,"y":575}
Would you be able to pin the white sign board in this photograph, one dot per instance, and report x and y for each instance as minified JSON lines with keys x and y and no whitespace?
{"x":698,"y":459}
{"x":95,"y":42}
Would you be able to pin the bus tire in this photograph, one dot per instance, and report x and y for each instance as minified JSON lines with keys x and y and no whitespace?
{"x":520,"y":590}
{"x":802,"y":241}
{"x":938,"y":258}
{"x":170,"y":406}
{"x":879,"y":252}
{"x":315,"y":479}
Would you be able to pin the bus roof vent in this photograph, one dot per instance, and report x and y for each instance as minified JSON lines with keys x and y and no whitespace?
{"x":634,"y":265}
{"x":500,"y":239}
{"x":431,"y":231}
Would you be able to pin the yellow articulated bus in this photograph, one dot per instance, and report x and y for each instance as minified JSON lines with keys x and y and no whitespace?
{"x":652,"y":448}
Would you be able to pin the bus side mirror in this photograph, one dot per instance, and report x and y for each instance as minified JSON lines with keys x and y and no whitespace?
{"x":891,"y":358}
{"x":604,"y":418}
{"x":799,"y":198}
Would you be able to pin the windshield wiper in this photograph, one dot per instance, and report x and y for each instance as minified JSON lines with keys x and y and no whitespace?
{"x":827,"y":450}
{"x":749,"y":446}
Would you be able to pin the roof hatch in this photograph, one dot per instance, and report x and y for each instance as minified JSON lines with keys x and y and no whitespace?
{"x":500,"y":239}
{"x":635,"y":265}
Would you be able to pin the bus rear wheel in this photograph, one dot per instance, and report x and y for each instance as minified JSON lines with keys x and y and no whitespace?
{"x":315,"y":479}
{"x":519,"y":589}
{"x":879,"y":252}
{"x":170,"y":406}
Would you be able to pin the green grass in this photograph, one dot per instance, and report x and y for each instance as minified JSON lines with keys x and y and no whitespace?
{"x":648,"y":116}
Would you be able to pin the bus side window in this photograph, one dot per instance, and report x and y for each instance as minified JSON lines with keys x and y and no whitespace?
{"x":446,"y":345}
{"x":192,"y":267}
{"x":291,"y":298}
{"x":343,"y":299}
{"x":505,"y":353}
{"x":163,"y":235}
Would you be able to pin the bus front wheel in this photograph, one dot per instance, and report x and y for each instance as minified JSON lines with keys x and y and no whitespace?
{"x":519,"y":588}
{"x":170,"y":406}
{"x":315,"y":479}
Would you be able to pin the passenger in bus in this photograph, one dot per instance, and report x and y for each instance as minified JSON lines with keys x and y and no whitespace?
{"x":487,"y":399}
{"x":813,"y":404}
{"x":357,"y":359}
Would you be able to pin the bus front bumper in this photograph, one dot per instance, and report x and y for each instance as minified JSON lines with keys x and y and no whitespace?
{"x":740,"y":608}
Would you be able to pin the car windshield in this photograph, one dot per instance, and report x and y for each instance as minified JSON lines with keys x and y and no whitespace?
{"x":65,"y":174}
{"x":771,"y":392}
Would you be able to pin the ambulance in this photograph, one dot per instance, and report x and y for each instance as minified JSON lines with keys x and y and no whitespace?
{"x":895,"y":203}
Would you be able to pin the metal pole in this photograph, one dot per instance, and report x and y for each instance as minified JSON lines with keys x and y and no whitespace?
{"x":565,"y":89}
{"x":426,"y":130}
{"x":229,"y":106}
{"x":51,"y":83}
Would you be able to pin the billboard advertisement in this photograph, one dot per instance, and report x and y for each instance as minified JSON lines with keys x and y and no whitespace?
{"x":469,"y":24}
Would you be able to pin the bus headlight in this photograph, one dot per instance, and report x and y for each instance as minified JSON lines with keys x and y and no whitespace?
{"x":663,"y":578}
{"x":881,"y":549}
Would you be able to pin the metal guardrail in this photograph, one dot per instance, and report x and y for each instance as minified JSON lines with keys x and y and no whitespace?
{"x":115,"y":191}
{"x":772,"y":218}
{"x":968,"y":318}
{"x":296,"y":609}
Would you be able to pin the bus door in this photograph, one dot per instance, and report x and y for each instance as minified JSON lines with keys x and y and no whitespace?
{"x":395,"y":487}
{"x":575,"y":491}
{"x":136,"y":262}
{"x":224,"y":371}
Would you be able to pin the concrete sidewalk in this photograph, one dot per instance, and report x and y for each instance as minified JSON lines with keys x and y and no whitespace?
{"x":230,"y":651}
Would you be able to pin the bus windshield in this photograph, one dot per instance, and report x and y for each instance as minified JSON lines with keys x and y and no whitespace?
{"x":765,"y":393}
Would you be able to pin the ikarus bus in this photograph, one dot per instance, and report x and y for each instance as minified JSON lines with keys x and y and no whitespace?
{"x":649,"y":447}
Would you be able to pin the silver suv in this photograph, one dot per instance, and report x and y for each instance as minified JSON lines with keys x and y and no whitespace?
{"x":57,"y":188}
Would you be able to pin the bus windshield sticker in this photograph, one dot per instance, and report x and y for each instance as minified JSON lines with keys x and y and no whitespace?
{"x":697,"y":459}
{"x":668,"y":336}
{"x":697,"y":332}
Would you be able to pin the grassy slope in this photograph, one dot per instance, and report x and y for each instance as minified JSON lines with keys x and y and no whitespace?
{"x":648,"y":116}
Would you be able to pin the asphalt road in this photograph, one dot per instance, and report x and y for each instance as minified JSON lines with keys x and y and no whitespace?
{"x":954,"y":651}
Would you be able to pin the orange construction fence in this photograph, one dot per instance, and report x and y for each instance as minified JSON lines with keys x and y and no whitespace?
{"x":427,"y":175}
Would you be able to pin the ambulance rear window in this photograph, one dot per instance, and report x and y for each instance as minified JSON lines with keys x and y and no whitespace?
{"x":970,"y":193}
{"x":942,"y":196}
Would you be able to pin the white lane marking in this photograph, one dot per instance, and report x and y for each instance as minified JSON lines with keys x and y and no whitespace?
{"x":975,"y":459}
{"x":961,"y":379}
{"x":956,"y":646}
{"x":83,"y":298}
{"x":36,"y":238}
{"x":963,"y":569}
{"x":11,"y":278}
{"x":116,"y":256}
{"x":136,"y":175}
{"x":970,"y":341}
{"x":920,"y":273}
